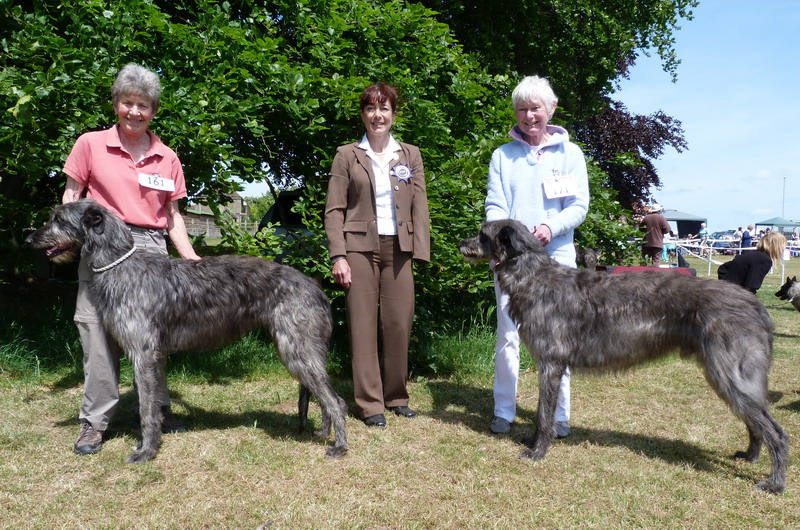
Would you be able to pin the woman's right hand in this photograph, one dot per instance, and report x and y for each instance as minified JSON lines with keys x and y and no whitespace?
{"x":341,"y":273}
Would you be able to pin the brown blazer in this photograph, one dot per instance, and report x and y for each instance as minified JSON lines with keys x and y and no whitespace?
{"x":350,"y":213}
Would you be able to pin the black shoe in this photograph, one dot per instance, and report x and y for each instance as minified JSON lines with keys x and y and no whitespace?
{"x":404,"y":411}
{"x":378,"y":420}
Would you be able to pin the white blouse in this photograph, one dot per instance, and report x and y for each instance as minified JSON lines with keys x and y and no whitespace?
{"x":384,"y":197}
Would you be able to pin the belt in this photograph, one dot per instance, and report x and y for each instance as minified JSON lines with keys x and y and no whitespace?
{"x":140,"y":229}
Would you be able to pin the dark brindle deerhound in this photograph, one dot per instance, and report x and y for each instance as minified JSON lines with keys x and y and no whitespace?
{"x":153,"y":305}
{"x":593,"y":320}
{"x":790,"y":291}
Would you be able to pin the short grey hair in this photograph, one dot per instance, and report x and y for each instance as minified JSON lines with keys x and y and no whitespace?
{"x":535,"y":88}
{"x":136,"y":79}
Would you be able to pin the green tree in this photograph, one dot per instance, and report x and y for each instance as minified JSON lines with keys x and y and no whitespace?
{"x":264,"y":90}
{"x":584,"y":47}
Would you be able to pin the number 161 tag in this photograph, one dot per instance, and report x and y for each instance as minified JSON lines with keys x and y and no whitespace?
{"x":156,"y":182}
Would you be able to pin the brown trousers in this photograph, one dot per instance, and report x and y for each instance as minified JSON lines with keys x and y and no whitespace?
{"x":381,"y":297}
{"x":653,"y":255}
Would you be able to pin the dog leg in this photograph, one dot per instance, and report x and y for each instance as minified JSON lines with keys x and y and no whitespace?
{"x":753,"y":449}
{"x":325,"y":428}
{"x":549,"y":380}
{"x":147,"y":371}
{"x":778,"y":443}
{"x":302,"y":407}
{"x":333,"y":409}
{"x":747,"y":400}
{"x":305,"y":361}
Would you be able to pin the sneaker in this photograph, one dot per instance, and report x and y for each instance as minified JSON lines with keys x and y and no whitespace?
{"x":500,"y":425}
{"x":89,"y":441}
{"x":562,"y":429}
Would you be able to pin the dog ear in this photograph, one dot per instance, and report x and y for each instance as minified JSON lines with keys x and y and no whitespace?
{"x":502,"y":244}
{"x":93,"y":219}
{"x":510,"y":242}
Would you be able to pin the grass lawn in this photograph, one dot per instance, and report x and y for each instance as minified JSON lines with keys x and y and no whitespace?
{"x":650,"y":449}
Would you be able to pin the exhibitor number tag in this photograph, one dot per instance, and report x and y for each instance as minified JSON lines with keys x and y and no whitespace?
{"x":558,"y":185}
{"x":156,"y":182}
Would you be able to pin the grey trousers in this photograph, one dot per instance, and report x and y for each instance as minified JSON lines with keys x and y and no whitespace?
{"x":101,"y":353}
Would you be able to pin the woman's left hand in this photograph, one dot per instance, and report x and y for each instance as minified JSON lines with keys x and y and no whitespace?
{"x":543,"y":234}
{"x":342,"y":273}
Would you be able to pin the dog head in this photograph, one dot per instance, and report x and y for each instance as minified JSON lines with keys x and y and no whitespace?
{"x":790,"y":291}
{"x":499,"y":241}
{"x":66,"y":231}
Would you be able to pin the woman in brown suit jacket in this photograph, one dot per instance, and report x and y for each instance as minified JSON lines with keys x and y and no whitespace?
{"x":376,"y":220}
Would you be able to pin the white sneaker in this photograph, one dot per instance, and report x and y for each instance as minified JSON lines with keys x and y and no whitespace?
{"x":562,"y":429}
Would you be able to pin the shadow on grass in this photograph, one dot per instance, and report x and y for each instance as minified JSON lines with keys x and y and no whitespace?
{"x":275,"y":424}
{"x":473,"y":407}
{"x":458,"y":403}
{"x":793,"y":407}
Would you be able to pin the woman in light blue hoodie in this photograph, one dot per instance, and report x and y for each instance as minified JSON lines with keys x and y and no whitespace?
{"x":540,"y":179}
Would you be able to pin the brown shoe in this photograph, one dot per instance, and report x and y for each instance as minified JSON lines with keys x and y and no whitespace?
{"x":89,"y":441}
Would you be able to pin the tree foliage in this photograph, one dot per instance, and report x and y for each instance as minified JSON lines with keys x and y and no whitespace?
{"x":626,"y":145}
{"x":266,"y":90}
{"x":582,"y":46}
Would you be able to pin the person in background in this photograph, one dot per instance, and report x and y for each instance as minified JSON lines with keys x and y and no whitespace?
{"x":702,"y":235}
{"x":748,"y":269}
{"x":376,"y":220}
{"x":655,"y":226}
{"x":540,"y":179}
{"x":747,"y":237}
{"x":115,"y":168}
{"x":737,"y":236}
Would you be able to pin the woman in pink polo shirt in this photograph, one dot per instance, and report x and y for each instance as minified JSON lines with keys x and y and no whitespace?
{"x":128,"y":170}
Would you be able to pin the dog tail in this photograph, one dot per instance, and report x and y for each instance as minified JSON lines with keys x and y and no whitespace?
{"x":302,"y":406}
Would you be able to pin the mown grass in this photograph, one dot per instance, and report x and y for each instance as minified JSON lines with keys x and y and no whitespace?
{"x":650,"y":449}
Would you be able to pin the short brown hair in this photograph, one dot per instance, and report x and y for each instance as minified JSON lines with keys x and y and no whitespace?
{"x":379,"y":93}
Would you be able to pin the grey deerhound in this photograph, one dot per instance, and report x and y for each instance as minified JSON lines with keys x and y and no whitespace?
{"x":598,"y":321}
{"x":153,"y":305}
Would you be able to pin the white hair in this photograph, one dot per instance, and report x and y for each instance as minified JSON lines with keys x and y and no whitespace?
{"x":535,"y":88}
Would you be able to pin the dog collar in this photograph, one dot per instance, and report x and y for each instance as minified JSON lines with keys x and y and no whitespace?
{"x":117,"y":262}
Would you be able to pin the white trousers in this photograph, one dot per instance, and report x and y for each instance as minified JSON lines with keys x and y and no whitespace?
{"x":506,"y":367}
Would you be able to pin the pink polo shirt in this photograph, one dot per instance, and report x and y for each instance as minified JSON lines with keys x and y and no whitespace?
{"x":99,"y":162}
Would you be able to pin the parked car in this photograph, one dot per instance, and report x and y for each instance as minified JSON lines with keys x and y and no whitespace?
{"x":288,"y":225}
{"x":724,"y":240}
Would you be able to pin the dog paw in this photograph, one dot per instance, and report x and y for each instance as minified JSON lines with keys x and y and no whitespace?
{"x":744,"y":455}
{"x":768,"y":487}
{"x":336,"y":452}
{"x":140,"y":457}
{"x":322,"y":433}
{"x":531,"y":455}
